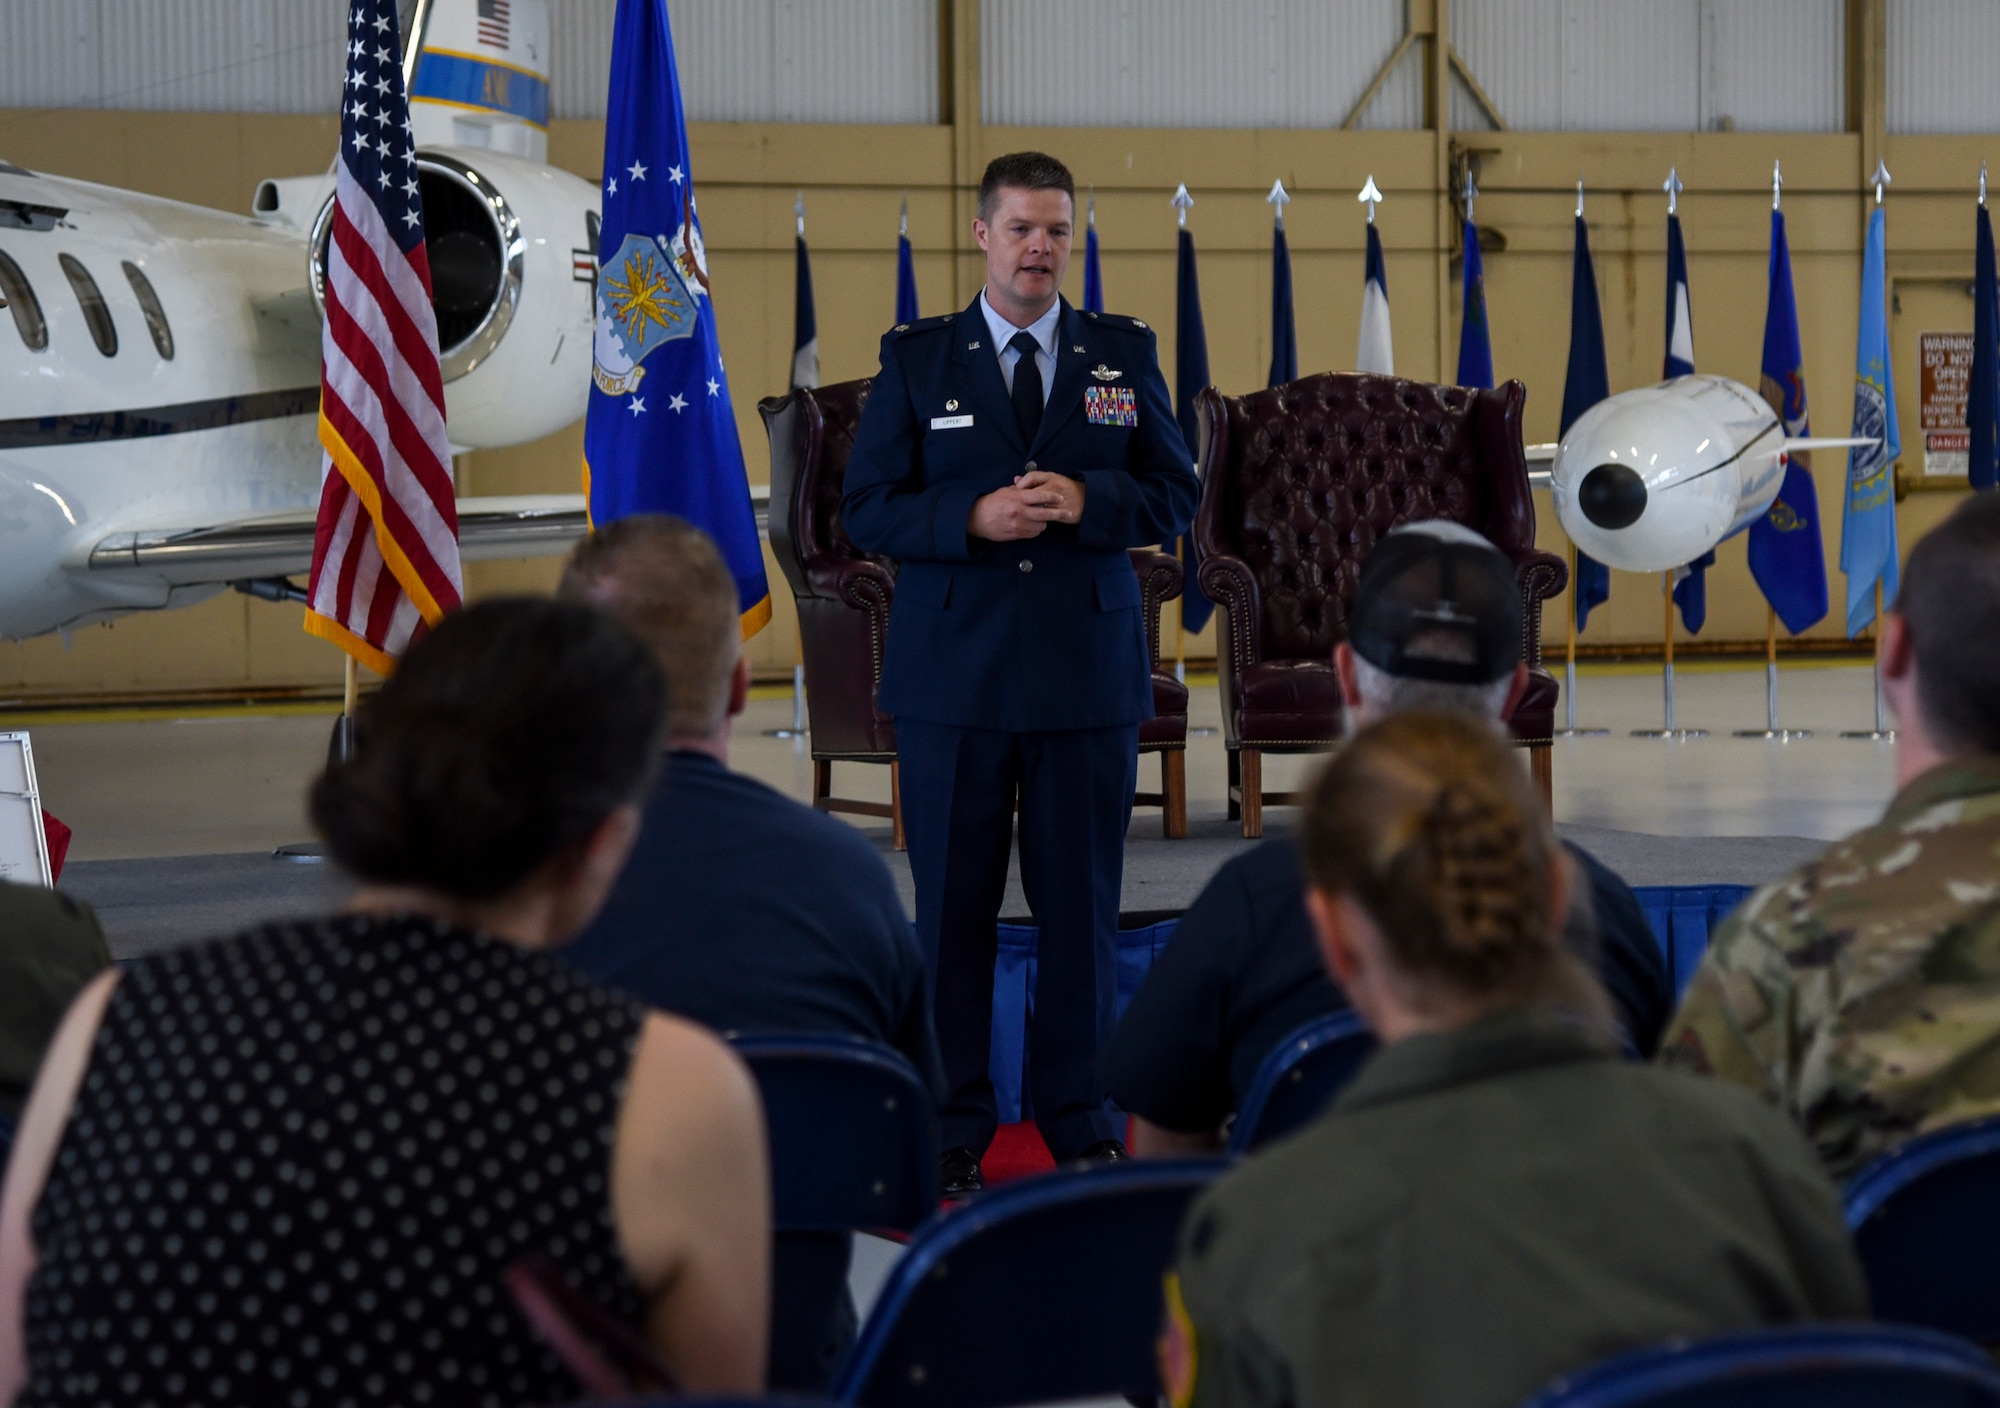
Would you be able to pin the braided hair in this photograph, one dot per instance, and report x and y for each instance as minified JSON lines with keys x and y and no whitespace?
{"x":1429,"y":823}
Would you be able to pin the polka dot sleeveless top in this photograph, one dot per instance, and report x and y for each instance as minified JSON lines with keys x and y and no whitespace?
{"x":302,"y":1160}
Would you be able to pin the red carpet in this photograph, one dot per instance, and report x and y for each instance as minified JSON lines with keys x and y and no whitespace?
{"x":1016,"y":1151}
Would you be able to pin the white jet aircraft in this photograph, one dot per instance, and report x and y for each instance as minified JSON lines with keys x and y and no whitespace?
{"x":159,"y":362}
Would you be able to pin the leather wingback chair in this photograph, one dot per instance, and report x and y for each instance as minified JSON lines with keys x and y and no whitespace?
{"x":843,"y":597}
{"x":1299,"y":482}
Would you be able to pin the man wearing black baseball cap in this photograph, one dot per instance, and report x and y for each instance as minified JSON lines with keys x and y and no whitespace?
{"x":1435,"y":625}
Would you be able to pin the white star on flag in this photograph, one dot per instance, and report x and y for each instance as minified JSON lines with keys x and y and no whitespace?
{"x":677,"y":404}
{"x":676,"y":175}
{"x":382,"y":56}
{"x":714,"y":387}
{"x":360,"y":142}
{"x":638,"y":405}
{"x":611,"y":188}
{"x":637,"y":170}
{"x":409,"y":188}
{"x":381,"y":23}
{"x":413,"y":218}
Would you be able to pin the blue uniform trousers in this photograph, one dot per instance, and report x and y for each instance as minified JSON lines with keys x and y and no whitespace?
{"x":1074,"y":787}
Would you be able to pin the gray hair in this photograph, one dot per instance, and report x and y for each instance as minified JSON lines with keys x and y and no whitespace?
{"x":1383,"y":694}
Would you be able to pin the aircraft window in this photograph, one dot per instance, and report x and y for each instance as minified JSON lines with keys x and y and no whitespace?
{"x":149,"y":304}
{"x":19,"y":297}
{"x":96,"y":316}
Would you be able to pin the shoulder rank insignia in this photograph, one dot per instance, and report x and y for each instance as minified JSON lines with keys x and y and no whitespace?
{"x":900,"y":327}
{"x":1104,"y":373}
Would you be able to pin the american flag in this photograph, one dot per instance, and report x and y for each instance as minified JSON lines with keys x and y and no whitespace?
{"x":493,"y":23}
{"x":385,"y":558}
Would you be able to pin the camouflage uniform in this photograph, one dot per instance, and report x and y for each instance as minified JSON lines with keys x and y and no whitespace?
{"x":1862,"y":993}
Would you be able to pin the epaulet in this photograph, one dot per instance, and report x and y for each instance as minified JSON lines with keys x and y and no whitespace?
{"x":924,"y":325}
{"x":1116,"y":320}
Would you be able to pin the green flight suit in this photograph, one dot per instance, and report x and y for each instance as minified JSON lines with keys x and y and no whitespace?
{"x":1486,"y":1209}
{"x":50,"y":947}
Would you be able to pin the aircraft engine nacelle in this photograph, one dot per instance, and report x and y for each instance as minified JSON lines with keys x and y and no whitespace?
{"x":1650,"y":479}
{"x":513,"y":253}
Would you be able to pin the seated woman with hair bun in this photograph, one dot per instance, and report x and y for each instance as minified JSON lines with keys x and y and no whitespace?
{"x":295,"y":1166}
{"x":1497,"y":1198}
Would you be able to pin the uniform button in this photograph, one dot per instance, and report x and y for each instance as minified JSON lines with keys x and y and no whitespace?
{"x":1030,"y":469}
{"x":1026,"y":565}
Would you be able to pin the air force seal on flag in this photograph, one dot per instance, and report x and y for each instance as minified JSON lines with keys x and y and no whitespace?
{"x":642,"y":302}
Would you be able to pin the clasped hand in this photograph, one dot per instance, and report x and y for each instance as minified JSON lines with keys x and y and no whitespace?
{"x":1024,"y":508}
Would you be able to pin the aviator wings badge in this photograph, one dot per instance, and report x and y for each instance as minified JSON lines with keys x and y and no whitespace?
{"x":1104,"y":373}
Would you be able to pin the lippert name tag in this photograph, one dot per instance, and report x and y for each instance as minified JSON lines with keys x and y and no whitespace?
{"x":950,"y":422}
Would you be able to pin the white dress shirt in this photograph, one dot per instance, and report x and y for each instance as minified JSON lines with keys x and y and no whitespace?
{"x":1043,"y":330}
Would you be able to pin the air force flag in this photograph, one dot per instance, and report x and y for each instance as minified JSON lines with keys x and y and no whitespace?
{"x":660,"y":433}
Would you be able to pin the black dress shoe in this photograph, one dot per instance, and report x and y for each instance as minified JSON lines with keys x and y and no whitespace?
{"x":1104,"y":1151}
{"x":958,"y":1174}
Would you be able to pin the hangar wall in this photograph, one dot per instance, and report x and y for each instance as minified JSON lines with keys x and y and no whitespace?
{"x":781,"y":72}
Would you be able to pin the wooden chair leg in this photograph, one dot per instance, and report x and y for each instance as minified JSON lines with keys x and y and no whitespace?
{"x":1173,"y":793}
{"x":1541,"y":761}
{"x":1253,"y":792}
{"x":896,"y":805}
{"x":822,"y":779}
{"x":1235,"y":781}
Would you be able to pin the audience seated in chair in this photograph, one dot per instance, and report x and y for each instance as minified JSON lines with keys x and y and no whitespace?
{"x":50,"y":946}
{"x":1497,"y":1198}
{"x":741,"y":908}
{"x":1242,"y":970}
{"x":1862,"y":992}
{"x":295,"y":1166}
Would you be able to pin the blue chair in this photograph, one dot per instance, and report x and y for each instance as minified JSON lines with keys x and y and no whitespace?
{"x":853,"y":1138}
{"x":1043,"y":1290}
{"x":1926,"y":1221}
{"x":1300,"y":1078}
{"x":1812,"y":1366}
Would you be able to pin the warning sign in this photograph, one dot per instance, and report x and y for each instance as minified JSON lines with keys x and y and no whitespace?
{"x":1944,"y":379}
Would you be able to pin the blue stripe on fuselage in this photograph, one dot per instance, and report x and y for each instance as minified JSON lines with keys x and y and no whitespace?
{"x":466,"y":81}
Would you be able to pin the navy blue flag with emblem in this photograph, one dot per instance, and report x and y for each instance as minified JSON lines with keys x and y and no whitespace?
{"x":805,"y":322}
{"x":1982,"y":403}
{"x":906,"y":281}
{"x":660,"y":433}
{"x":1691,"y":581}
{"x":1786,"y":555}
{"x":1586,"y":383}
{"x":1284,"y":335}
{"x":1190,"y":376}
{"x":1093,"y":276}
{"x":1475,"y":347}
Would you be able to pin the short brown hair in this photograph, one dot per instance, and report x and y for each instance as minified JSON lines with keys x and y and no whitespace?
{"x":1950,"y":600}
{"x":666,"y":580}
{"x":1024,"y":171}
{"x":1429,"y":823}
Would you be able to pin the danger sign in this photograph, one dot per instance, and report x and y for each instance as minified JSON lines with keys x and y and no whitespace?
{"x":1944,"y":380}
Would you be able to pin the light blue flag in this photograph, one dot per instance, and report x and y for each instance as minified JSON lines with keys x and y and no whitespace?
{"x":1868,"y":522}
{"x":660,"y":434}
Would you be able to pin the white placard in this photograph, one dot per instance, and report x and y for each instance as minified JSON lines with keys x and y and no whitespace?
{"x":24,"y":846}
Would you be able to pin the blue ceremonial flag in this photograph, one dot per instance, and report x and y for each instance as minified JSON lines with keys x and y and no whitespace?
{"x":1786,"y":557}
{"x":1868,"y":524}
{"x":805,"y":323}
{"x":1093,"y":275}
{"x":1475,"y":348}
{"x":660,"y":433}
{"x":1190,"y":376}
{"x":906,"y":280}
{"x":1982,"y":408}
{"x":1586,"y":384}
{"x":1284,"y":336}
{"x":1691,"y":581}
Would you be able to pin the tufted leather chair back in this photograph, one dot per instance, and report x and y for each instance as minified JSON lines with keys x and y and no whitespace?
{"x":1300,"y":481}
{"x":812,"y":435}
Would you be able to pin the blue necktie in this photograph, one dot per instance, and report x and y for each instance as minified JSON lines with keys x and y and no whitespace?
{"x":1027,"y":386}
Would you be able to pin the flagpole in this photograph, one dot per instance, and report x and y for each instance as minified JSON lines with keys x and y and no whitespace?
{"x":1771,"y":728}
{"x":1570,"y":730}
{"x":1671,"y":731}
{"x":1881,"y":733}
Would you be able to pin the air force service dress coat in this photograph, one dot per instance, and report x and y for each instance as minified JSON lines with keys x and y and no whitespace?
{"x":1042,"y":633}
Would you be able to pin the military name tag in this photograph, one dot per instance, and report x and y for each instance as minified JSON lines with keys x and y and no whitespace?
{"x":1110,"y":405}
{"x":950,"y":422}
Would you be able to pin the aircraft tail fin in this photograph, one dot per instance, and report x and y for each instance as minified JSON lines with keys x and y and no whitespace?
{"x":482,"y":75}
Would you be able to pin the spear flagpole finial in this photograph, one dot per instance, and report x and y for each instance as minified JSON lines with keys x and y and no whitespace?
{"x":903,"y":220}
{"x":1982,"y":183}
{"x":1371,"y":196}
{"x":1093,"y":207}
{"x":1278,"y":200}
{"x":1673,"y":188}
{"x":799,"y":210}
{"x":1579,"y":198}
{"x":1881,"y":178}
{"x":1471,"y":192}
{"x":1777,"y":184}
{"x":1182,"y":200}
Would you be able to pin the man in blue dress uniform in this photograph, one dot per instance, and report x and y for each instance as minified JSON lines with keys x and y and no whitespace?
{"x":1008,"y":456}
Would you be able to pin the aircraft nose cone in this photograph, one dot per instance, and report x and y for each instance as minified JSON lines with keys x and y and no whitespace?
{"x":1612,"y":496}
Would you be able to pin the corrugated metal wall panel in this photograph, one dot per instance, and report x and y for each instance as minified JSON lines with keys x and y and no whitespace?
{"x":580,"y":55}
{"x":1514,"y":49}
{"x":1189,"y":63}
{"x":1774,"y":67}
{"x":1941,"y":62}
{"x":1631,"y":65}
{"x":48,"y":53}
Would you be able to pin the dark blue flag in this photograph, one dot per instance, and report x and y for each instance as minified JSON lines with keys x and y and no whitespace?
{"x":1786,"y":556}
{"x":1586,"y":384}
{"x":1093,"y":276}
{"x":660,"y":434}
{"x":1475,"y":348}
{"x":906,"y":277}
{"x":1982,"y":402}
{"x":1190,"y":376}
{"x":1691,"y":581}
{"x":805,"y":323}
{"x":1284,"y":336}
